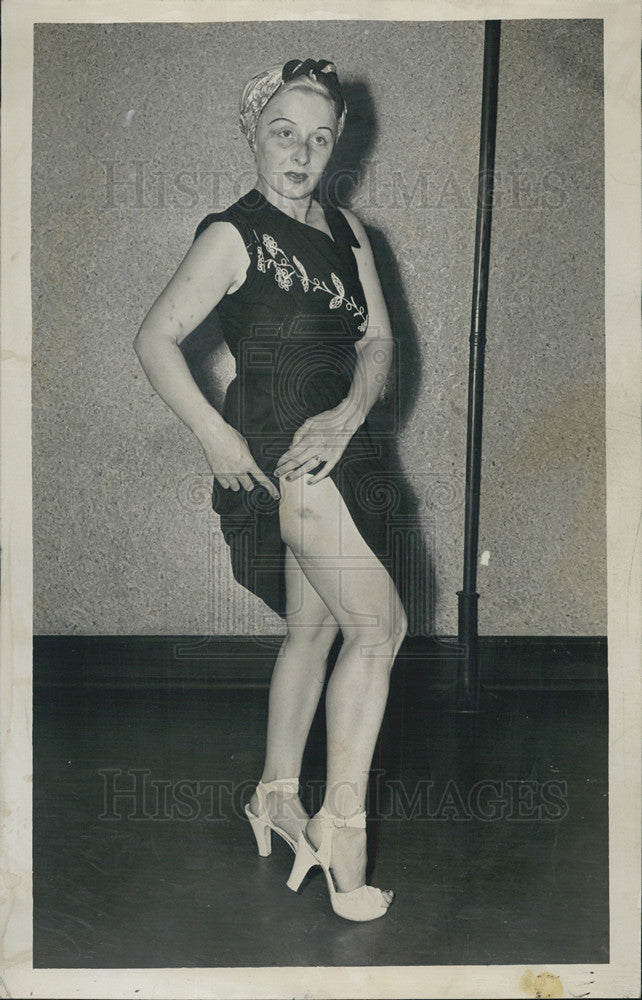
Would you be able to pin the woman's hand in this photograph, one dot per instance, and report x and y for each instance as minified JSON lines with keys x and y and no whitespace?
{"x":231,"y":460}
{"x":321,"y":439}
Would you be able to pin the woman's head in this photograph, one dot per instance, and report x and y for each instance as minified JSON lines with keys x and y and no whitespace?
{"x":294,"y":139}
{"x":319,"y":76}
{"x":292,"y":117}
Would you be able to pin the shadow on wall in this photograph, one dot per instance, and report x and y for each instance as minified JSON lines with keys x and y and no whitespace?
{"x":413,"y":566}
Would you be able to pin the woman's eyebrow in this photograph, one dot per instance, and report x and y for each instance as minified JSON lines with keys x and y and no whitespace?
{"x":281,"y":118}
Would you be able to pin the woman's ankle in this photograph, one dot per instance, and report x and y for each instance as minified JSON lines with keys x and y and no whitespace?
{"x":348,"y":851}
{"x":344,"y":799}
{"x":278,"y":779}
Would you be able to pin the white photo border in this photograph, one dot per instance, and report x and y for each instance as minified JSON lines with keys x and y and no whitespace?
{"x":618,"y":978}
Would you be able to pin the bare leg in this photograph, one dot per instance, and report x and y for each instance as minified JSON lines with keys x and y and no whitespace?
{"x":361,"y":595}
{"x":295,"y":688}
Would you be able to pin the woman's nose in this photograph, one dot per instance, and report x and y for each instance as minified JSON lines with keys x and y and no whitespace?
{"x":301,"y":154}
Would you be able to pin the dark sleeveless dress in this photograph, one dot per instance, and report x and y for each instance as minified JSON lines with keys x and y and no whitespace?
{"x":291,"y":327}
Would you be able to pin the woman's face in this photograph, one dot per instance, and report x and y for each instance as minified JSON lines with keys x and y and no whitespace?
{"x":295,"y":136}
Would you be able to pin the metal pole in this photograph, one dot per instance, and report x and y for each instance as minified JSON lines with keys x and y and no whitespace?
{"x":467,"y":684}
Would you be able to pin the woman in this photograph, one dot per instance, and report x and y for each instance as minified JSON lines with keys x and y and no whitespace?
{"x":297,"y":478}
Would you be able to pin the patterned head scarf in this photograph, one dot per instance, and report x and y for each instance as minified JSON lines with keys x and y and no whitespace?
{"x":264,"y":85}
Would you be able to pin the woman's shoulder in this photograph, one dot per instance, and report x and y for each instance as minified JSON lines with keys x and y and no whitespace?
{"x":235,"y":215}
{"x":207,"y":221}
{"x":353,"y":226}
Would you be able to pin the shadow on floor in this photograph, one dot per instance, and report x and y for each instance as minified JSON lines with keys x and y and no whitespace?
{"x":493,"y":833}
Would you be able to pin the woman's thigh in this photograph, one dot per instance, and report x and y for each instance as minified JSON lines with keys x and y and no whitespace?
{"x":318,"y":528}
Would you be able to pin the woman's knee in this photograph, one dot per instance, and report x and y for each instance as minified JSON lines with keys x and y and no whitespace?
{"x":379,"y":633}
{"x":318,"y":636}
{"x":401,"y":625}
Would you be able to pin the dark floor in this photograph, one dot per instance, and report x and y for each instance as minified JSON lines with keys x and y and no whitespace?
{"x":493,"y":833}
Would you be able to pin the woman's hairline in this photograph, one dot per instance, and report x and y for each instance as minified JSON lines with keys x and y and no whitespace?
{"x":305,"y":83}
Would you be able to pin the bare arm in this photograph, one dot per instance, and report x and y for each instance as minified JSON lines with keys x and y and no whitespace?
{"x":215,"y":263}
{"x":374,"y":350}
{"x":201,"y":280}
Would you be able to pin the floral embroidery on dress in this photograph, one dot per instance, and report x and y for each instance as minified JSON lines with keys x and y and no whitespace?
{"x":283,"y":278}
{"x":305,"y":281}
{"x":270,"y":244}
{"x":285,"y":270}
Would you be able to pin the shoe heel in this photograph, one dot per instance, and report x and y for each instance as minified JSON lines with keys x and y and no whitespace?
{"x":262,"y":832}
{"x":304,"y":860}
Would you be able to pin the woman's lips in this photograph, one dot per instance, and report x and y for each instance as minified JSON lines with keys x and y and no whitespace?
{"x":295,"y":176}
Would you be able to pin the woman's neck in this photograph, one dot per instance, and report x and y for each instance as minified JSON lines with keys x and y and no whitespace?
{"x":296,"y":208}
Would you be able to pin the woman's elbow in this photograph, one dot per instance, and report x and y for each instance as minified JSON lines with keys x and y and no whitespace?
{"x":141,"y":343}
{"x":137,"y":341}
{"x":145,"y":341}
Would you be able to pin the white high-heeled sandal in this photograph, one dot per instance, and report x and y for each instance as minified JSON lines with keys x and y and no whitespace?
{"x":364,"y":903}
{"x":261,"y":822}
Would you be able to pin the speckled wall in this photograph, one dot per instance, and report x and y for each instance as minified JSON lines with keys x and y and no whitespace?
{"x":135,"y":140}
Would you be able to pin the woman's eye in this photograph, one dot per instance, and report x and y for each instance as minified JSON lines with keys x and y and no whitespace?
{"x":285,"y":133}
{"x":321,"y":140}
